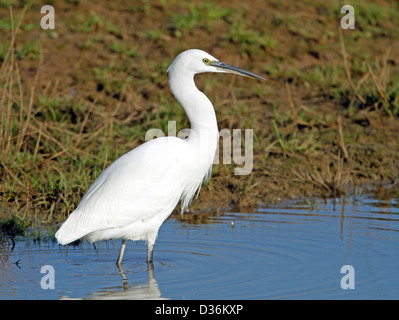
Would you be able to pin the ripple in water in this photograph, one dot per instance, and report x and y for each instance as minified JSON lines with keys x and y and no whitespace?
{"x":294,"y":251}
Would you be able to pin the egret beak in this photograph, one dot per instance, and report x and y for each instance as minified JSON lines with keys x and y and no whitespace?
{"x":224,"y":67}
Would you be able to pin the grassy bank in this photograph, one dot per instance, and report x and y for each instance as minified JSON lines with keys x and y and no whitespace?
{"x":75,"y":98}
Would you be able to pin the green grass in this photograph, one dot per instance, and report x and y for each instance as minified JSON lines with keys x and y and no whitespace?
{"x":296,"y":142}
{"x":204,"y":15}
{"x":10,"y":229}
{"x":35,"y":132}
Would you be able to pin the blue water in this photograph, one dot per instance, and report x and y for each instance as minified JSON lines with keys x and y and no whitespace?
{"x":290,"y":251}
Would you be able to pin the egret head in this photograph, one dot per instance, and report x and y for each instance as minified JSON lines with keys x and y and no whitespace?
{"x":195,"y":61}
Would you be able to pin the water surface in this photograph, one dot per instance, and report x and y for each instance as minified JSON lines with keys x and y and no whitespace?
{"x":291,"y":251}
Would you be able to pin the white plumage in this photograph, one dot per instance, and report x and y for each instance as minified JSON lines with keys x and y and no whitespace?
{"x":137,"y":192}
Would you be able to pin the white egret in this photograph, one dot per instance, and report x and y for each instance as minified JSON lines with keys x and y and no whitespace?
{"x":137,"y":192}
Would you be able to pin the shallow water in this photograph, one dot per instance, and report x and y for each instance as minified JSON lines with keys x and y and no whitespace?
{"x":293,"y":251}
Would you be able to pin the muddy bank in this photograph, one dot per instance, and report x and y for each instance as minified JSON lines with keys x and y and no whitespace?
{"x":325,"y":122}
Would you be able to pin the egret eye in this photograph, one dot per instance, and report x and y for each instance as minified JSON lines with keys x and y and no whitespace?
{"x":205,"y":60}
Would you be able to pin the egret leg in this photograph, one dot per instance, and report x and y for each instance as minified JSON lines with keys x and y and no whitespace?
{"x":150,"y":249}
{"x":121,"y":252}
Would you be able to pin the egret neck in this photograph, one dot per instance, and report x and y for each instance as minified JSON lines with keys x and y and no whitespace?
{"x":204,"y":130}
